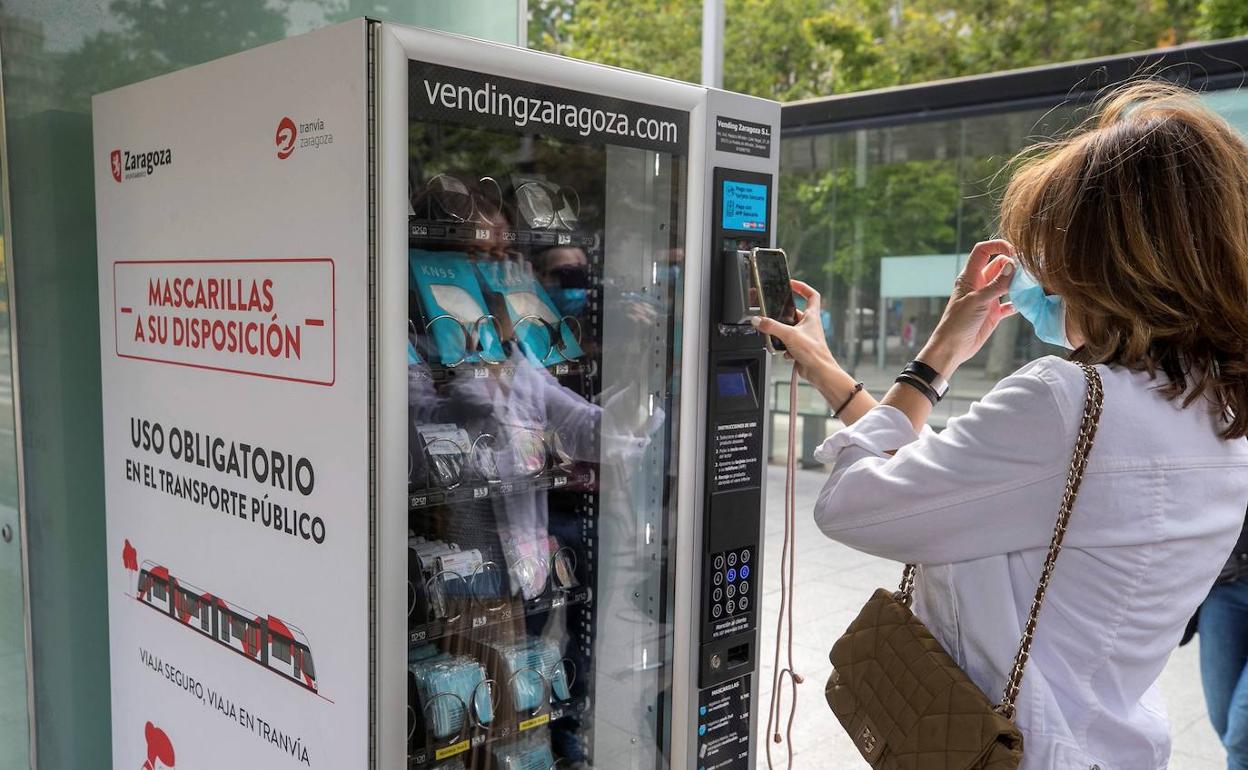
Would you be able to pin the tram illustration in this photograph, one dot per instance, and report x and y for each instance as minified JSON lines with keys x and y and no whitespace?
{"x":272,"y":643}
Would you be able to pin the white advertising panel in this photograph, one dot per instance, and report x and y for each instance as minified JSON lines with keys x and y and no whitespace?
{"x":232,"y":217}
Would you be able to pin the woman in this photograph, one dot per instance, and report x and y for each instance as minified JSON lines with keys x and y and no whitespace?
{"x":1137,"y":230}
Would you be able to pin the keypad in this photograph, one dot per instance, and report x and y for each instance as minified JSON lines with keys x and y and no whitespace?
{"x":730,"y":571}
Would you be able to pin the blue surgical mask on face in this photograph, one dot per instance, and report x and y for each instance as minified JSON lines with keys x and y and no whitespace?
{"x":1045,"y":312}
{"x":569,"y":301}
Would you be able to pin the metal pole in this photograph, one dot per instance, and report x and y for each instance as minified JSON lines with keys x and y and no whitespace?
{"x":713,"y":43}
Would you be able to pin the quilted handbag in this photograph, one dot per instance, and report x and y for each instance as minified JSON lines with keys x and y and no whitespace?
{"x":904,"y":701}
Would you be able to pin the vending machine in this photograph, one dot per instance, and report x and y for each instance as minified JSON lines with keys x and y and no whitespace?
{"x":434,"y":422}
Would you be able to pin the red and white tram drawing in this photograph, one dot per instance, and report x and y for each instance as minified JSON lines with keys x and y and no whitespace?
{"x":272,"y":643}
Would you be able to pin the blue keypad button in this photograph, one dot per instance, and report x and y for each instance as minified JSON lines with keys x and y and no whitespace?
{"x":732,"y":574}
{"x":745,"y":571}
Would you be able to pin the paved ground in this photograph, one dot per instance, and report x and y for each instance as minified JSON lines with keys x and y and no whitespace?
{"x":832,"y":582}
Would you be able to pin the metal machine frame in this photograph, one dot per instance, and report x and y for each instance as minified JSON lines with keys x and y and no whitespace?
{"x":391,"y":46}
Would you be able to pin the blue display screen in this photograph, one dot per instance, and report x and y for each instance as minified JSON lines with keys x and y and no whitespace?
{"x":745,"y":206}
{"x":731,"y":384}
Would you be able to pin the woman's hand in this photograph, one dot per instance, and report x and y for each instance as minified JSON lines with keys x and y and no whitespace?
{"x":805,"y":345}
{"x":975,"y":307}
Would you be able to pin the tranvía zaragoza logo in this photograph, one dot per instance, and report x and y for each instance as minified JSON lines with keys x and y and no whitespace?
{"x":291,"y":135}
{"x":137,"y":165}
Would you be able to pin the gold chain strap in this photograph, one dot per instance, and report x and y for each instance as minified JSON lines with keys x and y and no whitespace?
{"x":1074,"y":477}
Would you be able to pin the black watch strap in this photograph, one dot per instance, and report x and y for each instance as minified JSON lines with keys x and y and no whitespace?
{"x":929,"y":376}
{"x":909,"y":379}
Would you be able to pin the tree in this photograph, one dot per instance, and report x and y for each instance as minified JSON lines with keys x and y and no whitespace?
{"x":1223,"y":18}
{"x":158,"y":36}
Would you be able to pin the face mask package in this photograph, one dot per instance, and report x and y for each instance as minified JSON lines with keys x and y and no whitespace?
{"x":544,"y":337}
{"x":544,"y":205}
{"x":528,"y":564}
{"x":518,"y":452}
{"x":433,"y":589}
{"x":454,"y":310}
{"x":530,"y":668}
{"x":447,"y":450}
{"x":446,"y":688}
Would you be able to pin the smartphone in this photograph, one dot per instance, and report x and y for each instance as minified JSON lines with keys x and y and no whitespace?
{"x":770,"y":274}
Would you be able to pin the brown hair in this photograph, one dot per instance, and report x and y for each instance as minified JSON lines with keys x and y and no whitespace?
{"x":1139,"y":220}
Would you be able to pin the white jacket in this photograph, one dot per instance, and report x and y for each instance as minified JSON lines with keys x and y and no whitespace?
{"x":1159,"y":511}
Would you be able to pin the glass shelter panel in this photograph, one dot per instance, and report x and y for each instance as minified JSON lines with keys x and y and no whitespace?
{"x":880,"y":220}
{"x":543,"y":273}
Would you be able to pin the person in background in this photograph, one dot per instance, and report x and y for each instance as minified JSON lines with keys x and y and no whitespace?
{"x":908,"y":333}
{"x":1223,"y":626}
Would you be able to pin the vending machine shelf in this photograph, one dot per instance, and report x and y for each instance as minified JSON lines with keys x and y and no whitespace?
{"x":436,"y":630}
{"x":426,"y":498}
{"x":477,"y":371}
{"x":425,"y":233}
{"x":439,"y":757}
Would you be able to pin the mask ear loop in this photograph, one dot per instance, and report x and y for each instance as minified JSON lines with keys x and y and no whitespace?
{"x":411,"y":723}
{"x":463,"y":334}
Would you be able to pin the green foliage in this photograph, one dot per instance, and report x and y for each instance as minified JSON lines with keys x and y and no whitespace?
{"x":158,"y":36}
{"x":1223,"y":18}
{"x":858,"y":200}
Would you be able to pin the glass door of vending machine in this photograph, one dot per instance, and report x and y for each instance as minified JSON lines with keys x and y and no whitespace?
{"x":546,"y":239}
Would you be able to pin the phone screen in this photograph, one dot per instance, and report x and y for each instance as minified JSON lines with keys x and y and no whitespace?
{"x":773,"y":281}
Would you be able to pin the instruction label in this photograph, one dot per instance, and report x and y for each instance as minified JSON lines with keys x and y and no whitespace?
{"x":724,"y":726}
{"x":738,"y":449}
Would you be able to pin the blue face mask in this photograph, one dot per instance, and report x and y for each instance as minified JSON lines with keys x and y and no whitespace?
{"x":569,"y":301}
{"x":1045,"y":312}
